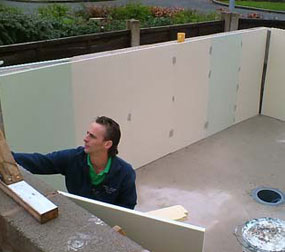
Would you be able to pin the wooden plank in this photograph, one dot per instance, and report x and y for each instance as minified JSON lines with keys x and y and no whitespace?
{"x":153,"y":233}
{"x":34,"y":202}
{"x":119,"y":230}
{"x":176,"y":212}
{"x":25,"y":195}
{"x":8,"y":168}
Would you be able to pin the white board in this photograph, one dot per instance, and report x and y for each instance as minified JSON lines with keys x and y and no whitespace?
{"x":250,"y":74}
{"x":223,"y":79}
{"x":154,"y":234}
{"x":274,"y":89}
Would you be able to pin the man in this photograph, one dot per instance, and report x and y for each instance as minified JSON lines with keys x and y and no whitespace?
{"x":93,"y":171}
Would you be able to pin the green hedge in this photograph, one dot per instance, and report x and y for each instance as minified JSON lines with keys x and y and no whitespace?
{"x":57,"y":21}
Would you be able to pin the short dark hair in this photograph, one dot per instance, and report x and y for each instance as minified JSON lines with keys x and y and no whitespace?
{"x":113,"y":133}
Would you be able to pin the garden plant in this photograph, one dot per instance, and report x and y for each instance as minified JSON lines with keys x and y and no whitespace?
{"x":57,"y":21}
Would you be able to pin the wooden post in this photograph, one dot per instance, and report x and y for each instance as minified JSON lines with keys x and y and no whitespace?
{"x":8,"y":168}
{"x":134,"y":26}
{"x":1,"y":120}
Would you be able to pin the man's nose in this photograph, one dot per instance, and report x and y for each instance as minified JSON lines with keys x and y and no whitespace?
{"x":85,"y":139}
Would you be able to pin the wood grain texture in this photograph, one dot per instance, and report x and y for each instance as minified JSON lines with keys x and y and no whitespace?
{"x":14,"y":186}
{"x":43,"y":215}
{"x":8,"y":167}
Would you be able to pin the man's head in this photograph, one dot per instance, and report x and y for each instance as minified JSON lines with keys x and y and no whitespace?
{"x":103,"y":135}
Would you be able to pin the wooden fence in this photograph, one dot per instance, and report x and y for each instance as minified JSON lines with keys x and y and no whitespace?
{"x":84,"y":44}
{"x":251,"y":23}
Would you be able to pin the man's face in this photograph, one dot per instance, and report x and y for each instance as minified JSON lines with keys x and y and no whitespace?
{"x":94,"y":141}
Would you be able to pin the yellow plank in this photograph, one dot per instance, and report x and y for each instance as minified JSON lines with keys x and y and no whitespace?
{"x":176,"y":212}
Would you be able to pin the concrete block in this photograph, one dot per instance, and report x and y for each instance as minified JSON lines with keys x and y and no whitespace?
{"x":231,"y":21}
{"x":134,"y":26}
{"x":74,"y":229}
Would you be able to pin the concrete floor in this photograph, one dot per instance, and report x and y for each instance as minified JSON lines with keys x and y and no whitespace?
{"x":213,"y":179}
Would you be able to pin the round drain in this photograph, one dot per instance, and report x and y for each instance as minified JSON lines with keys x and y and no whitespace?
{"x":268,"y":196}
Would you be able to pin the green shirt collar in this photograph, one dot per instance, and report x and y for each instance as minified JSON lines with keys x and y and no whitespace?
{"x":107,"y":167}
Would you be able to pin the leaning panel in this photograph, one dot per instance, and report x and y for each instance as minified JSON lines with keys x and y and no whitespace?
{"x":154,"y":234}
{"x":274,"y":90}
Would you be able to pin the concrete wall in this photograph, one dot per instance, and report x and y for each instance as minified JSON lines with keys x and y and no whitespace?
{"x":274,"y":90}
{"x":74,"y":229}
{"x":165,"y":96}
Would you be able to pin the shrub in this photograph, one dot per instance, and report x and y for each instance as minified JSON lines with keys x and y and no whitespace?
{"x":136,"y":11}
{"x":81,"y":29}
{"x":99,"y":11}
{"x":54,"y":11}
{"x":114,"y":25}
{"x":12,"y":10}
{"x":190,"y":16}
{"x":17,"y":28}
{"x":164,"y":12}
{"x":56,"y":21}
{"x":157,"y":21}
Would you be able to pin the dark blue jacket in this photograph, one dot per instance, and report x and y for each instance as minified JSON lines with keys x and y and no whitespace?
{"x":118,"y":187}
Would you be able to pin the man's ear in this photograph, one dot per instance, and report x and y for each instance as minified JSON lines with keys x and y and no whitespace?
{"x":108,"y":144}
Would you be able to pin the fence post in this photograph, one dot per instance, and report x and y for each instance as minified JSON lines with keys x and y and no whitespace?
{"x":134,"y":26}
{"x":231,"y":21}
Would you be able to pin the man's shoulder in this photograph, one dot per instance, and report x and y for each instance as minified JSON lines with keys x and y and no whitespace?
{"x":68,"y":153}
{"x":74,"y":151}
{"x":119,"y":161}
{"x":122,"y":164}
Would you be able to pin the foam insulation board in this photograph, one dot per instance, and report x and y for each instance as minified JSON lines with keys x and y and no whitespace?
{"x":37,"y":109}
{"x":152,"y":233}
{"x":191,"y":62}
{"x":250,"y":74}
{"x":274,"y":89}
{"x":134,"y":88}
{"x":223,"y":79}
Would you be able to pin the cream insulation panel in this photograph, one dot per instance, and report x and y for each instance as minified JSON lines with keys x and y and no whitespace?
{"x":154,"y":234}
{"x":274,"y":90}
{"x":190,"y":91}
{"x":184,"y":71}
{"x":250,"y":74}
{"x":37,"y":109}
{"x":135,"y":88}
{"x":38,"y":112}
{"x":170,"y":95}
{"x":223,"y":79}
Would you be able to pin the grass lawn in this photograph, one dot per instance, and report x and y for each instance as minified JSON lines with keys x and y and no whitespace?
{"x":263,"y":5}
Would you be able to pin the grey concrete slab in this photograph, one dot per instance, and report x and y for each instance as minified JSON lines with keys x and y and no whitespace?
{"x":213,"y":179}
